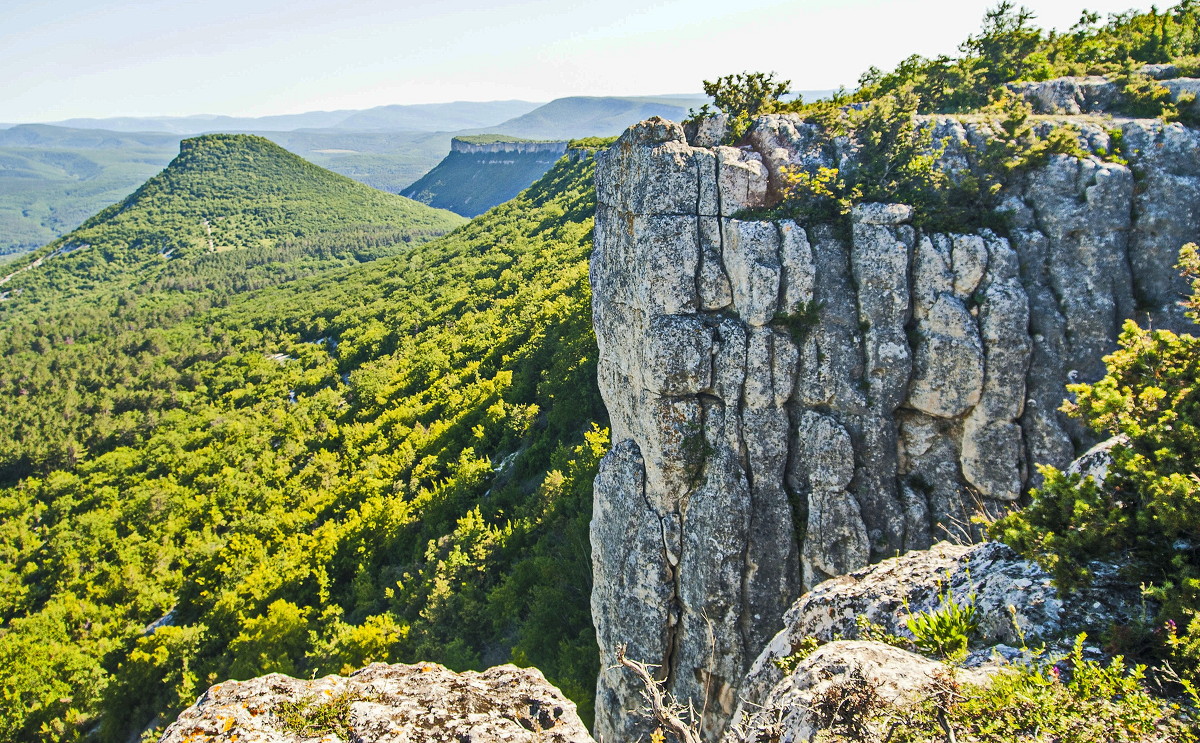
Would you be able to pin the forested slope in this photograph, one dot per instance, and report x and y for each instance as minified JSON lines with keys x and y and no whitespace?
{"x":264,"y":463}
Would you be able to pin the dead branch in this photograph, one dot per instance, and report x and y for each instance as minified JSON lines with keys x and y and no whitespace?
{"x":662,"y":708}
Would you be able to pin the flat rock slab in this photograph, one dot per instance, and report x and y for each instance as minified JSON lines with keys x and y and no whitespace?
{"x":419,"y":703}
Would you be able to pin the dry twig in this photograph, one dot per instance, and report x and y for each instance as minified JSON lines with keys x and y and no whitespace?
{"x":662,"y":708}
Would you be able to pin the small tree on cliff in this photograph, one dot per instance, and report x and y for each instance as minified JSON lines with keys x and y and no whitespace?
{"x":744,"y":96}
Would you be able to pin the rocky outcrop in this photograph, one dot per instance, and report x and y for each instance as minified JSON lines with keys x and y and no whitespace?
{"x":421,"y":703}
{"x":1096,"y":94}
{"x":1015,"y":604}
{"x":475,"y":177}
{"x":1014,"y":601}
{"x":837,"y":675}
{"x":1069,"y":95}
{"x":791,"y":402}
{"x":553,"y":150}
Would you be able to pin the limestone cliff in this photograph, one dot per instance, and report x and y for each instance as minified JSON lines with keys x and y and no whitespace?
{"x":791,"y":402}
{"x":553,"y":150}
{"x":475,"y":176}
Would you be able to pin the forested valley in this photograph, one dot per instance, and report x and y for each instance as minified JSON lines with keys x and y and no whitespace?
{"x":258,"y":421}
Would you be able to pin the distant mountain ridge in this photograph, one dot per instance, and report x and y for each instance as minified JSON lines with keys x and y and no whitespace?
{"x":584,"y":116}
{"x":420,"y":117}
{"x":597,"y":115}
{"x":52,"y":177}
{"x":53,"y":135}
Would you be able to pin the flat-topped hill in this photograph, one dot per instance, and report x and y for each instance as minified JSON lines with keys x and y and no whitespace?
{"x":495,"y":143}
{"x":222,"y":192}
{"x":484,"y":170}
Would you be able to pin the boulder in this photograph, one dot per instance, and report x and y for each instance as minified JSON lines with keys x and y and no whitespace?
{"x":1015,"y":604}
{"x":419,"y":703}
{"x":841,"y":674}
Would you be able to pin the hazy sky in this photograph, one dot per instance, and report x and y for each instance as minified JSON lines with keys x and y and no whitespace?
{"x":66,"y":58}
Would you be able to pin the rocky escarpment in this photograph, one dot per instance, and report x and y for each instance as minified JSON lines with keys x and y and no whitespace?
{"x":791,"y":402}
{"x":554,"y":150}
{"x":420,"y":703}
{"x":475,"y":176}
{"x":1098,"y":94}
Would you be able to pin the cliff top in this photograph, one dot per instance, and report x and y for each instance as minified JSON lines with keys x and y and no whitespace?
{"x":496,"y":138}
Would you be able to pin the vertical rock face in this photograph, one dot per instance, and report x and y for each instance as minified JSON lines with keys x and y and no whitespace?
{"x":791,"y":402}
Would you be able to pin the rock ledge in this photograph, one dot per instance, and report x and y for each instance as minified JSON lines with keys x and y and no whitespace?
{"x":419,"y":703}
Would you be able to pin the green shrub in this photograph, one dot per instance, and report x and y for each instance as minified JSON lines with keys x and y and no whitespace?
{"x":1144,"y":97}
{"x":1187,"y":66}
{"x":874,"y":632}
{"x":820,"y":195}
{"x":591,"y":143}
{"x":802,"y":319}
{"x":312,"y":717}
{"x":742,"y":97}
{"x":946,"y":631}
{"x":806,"y":647}
{"x":1074,"y":700}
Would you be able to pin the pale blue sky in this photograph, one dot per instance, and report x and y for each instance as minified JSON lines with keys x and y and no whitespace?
{"x":66,"y":58}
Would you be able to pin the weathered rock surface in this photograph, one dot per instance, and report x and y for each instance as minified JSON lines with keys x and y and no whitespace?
{"x":1014,"y":600}
{"x":396,"y":703}
{"x":1069,"y":95}
{"x":792,"y":402}
{"x":1095,"y":94}
{"x":1094,"y":463}
{"x":1015,"y":604}
{"x":787,"y":710}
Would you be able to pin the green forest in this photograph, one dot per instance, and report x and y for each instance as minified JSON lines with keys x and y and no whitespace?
{"x":319,"y":442}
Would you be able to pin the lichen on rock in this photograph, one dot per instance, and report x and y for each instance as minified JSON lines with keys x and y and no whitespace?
{"x":419,"y":703}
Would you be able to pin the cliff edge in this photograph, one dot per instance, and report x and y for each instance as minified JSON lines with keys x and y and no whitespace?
{"x":418,"y":703}
{"x":791,"y":402}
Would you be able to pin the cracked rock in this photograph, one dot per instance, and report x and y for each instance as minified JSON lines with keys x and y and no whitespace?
{"x":419,"y":703}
